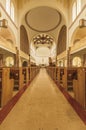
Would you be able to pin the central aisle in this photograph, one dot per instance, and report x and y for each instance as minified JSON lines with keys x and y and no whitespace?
{"x":42,"y":107}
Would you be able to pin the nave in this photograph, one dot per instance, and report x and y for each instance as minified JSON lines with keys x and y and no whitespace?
{"x":42,"y":107}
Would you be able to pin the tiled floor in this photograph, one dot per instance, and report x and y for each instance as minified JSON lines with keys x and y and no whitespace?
{"x":42,"y":107}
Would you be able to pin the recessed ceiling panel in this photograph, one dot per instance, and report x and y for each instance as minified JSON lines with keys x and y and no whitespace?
{"x":43,"y":19}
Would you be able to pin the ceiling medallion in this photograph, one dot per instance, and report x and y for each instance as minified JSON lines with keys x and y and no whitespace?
{"x":43,"y":19}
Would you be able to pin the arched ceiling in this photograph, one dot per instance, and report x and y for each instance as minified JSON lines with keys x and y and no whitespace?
{"x":43,"y":19}
{"x":7,"y":34}
{"x":43,"y":16}
{"x":26,"y":5}
{"x":78,"y":34}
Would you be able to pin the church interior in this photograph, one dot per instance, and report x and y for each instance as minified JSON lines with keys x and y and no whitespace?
{"x":42,"y":64}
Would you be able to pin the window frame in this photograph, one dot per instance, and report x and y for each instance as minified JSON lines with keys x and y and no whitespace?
{"x":10,"y":9}
{"x":8,"y":6}
{"x":76,"y":9}
{"x":78,"y":6}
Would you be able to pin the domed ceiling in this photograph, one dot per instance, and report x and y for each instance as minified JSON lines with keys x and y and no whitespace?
{"x":43,"y":23}
{"x":43,"y":19}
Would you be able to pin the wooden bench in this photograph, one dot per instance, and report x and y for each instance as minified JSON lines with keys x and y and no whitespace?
{"x":79,"y":86}
{"x":6,"y":86}
{"x":69,"y":75}
{"x":16,"y":74}
{"x":33,"y":70}
{"x":60,"y":74}
{"x":26,"y":74}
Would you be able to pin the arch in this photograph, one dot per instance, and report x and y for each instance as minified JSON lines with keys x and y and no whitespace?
{"x":24,"y":64}
{"x":8,"y":6}
{"x":40,"y":23}
{"x":61,"y":63}
{"x":76,"y":62}
{"x":78,"y":34}
{"x":74,"y":11}
{"x":54,"y":6}
{"x":62,"y":39}
{"x":24,"y":43}
{"x":9,"y":62}
{"x":36,"y":35}
{"x":8,"y":34}
{"x":12,"y":8}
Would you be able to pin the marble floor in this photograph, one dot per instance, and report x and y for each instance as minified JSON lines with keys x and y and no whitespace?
{"x":42,"y":107}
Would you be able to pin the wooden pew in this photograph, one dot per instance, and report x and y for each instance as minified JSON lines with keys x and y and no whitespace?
{"x":79,"y":86}
{"x":16,"y":74}
{"x":26,"y":74}
{"x":69,"y":75}
{"x":29,"y":74}
{"x":52,"y":71}
{"x":6,"y":86}
{"x":33,"y":71}
{"x":60,"y":74}
{"x":56,"y":73}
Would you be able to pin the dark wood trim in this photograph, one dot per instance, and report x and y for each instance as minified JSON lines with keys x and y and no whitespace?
{"x":8,"y":15}
{"x":77,"y":16}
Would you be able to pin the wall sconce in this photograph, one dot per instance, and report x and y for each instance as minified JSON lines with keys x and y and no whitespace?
{"x":82,"y":23}
{"x":4,"y":23}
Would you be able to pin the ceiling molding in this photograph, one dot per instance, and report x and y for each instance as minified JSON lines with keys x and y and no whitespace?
{"x":43,"y":8}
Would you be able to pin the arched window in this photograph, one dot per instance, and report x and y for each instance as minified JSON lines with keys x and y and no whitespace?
{"x":76,"y":62}
{"x":9,"y":61}
{"x":78,"y":6}
{"x":8,"y":6}
{"x":74,"y":11}
{"x":12,"y":11}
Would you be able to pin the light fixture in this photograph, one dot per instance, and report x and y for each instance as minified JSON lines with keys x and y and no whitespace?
{"x":4,"y":23}
{"x":82,"y":23}
{"x":43,"y":39}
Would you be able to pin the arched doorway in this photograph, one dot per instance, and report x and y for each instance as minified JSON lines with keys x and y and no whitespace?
{"x":24,"y":64}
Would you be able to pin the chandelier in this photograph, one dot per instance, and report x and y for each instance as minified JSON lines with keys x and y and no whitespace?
{"x":43,"y":39}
